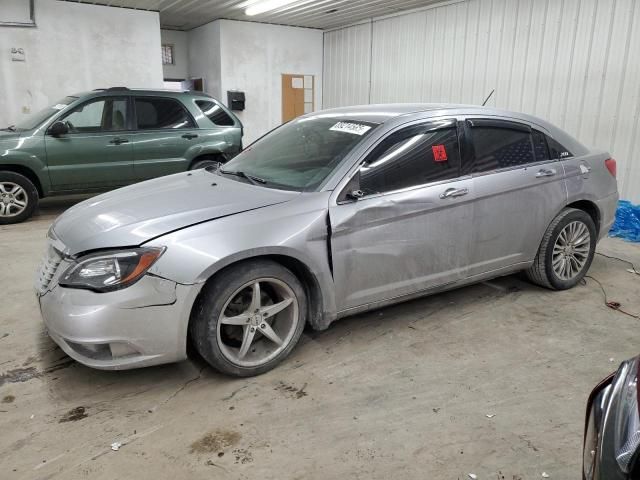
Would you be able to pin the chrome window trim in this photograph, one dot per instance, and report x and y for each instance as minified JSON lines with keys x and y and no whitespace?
{"x":516,"y":167}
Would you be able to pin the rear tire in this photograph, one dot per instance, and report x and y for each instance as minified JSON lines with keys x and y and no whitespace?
{"x":232,"y":311}
{"x":18,"y":198}
{"x":566,"y":251}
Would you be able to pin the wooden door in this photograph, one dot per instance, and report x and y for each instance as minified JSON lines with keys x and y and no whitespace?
{"x":297,"y":95}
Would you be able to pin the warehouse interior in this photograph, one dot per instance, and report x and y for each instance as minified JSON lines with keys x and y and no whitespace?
{"x":490,"y":380}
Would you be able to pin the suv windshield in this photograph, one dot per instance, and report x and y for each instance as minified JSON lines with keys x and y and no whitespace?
{"x":299,"y":155}
{"x":37,"y":118}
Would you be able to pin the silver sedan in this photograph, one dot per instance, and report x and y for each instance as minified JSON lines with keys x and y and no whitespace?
{"x":334,"y":213}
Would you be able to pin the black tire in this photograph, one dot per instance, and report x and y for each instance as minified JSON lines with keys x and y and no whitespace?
{"x":31,"y":197}
{"x":542,"y":272}
{"x":208,"y":162}
{"x":203,"y":328}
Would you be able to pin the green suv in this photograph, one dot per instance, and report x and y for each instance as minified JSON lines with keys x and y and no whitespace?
{"x":109,"y":138}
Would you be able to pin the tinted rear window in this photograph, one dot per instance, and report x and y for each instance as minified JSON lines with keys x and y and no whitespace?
{"x":215,"y":113}
{"x":161,"y":113}
{"x":540,"y":149}
{"x":497,"y":147}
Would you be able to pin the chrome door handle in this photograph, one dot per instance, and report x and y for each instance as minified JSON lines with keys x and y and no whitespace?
{"x":119,"y":141}
{"x":545,"y":172}
{"x":454,"y":192}
{"x":189,"y":136}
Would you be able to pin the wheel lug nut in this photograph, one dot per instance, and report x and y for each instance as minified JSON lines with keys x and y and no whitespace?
{"x":253,"y":329}
{"x":262,"y":326}
{"x":248,"y":320}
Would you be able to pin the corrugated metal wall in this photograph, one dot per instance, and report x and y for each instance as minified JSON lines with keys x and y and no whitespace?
{"x":575,"y":63}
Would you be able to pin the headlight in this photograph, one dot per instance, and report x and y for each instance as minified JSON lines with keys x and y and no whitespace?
{"x":627,"y":418}
{"x":104,"y":272}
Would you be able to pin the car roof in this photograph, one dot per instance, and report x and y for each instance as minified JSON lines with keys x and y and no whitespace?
{"x":380,"y":113}
{"x":140,"y":91}
{"x":390,"y":113}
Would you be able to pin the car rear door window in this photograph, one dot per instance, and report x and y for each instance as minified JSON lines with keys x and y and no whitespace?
{"x":161,"y":113}
{"x":540,"y":149}
{"x":98,"y":115}
{"x":500,"y":144}
{"x":215,"y":113}
{"x":415,"y":155}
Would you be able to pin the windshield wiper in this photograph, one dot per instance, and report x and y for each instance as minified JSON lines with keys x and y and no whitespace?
{"x":254,"y":180}
{"x":10,"y":128}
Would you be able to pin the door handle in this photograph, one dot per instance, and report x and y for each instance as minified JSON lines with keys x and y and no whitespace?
{"x":189,"y":136}
{"x":545,"y":172}
{"x":454,"y":192}
{"x":119,"y":141}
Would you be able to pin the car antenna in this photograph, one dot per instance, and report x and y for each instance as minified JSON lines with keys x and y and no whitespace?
{"x":487,"y":99}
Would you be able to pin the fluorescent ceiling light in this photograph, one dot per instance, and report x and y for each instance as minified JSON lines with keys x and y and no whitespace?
{"x":265,"y":6}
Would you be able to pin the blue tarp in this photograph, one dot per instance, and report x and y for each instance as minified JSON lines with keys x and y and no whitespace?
{"x":627,"y":224}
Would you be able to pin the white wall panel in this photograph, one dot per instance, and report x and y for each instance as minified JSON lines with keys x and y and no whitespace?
{"x":346,"y":66}
{"x":76,"y":47}
{"x":572,"y":62}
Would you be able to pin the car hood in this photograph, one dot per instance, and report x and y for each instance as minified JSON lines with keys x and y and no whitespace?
{"x":133,"y":215}
{"x":6,"y":136}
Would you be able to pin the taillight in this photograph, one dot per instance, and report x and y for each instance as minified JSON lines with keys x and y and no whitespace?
{"x":610,"y":163}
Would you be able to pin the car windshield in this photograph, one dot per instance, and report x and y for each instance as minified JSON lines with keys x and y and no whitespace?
{"x":300,"y":154}
{"x":37,"y":118}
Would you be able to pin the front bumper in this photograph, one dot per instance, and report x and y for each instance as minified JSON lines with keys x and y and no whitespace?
{"x":142,"y":325}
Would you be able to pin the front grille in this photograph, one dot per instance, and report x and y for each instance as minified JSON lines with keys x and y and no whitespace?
{"x":48,"y":267}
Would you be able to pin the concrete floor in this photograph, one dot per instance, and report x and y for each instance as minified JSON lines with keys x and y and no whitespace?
{"x":403,"y":392}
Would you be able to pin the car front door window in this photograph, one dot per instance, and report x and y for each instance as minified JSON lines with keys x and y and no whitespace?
{"x":101,"y":115}
{"x":413,"y":156}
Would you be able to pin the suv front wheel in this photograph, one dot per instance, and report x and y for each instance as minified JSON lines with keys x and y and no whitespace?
{"x":18,"y":198}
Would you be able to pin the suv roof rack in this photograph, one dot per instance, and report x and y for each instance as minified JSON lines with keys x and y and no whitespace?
{"x":110,"y":89}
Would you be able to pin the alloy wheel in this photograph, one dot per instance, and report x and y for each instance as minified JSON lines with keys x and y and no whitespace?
{"x":257,"y":322}
{"x":13,"y":199}
{"x":571,"y":250}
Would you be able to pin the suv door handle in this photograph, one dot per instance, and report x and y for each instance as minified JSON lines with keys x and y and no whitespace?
{"x":454,"y":192}
{"x":189,"y":136}
{"x":119,"y":141}
{"x":545,"y":172}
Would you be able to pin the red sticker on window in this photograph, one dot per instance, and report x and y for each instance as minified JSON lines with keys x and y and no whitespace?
{"x":439,"y":153}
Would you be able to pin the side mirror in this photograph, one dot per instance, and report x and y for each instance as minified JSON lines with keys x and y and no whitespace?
{"x":355,"y":194}
{"x":351,"y":191}
{"x":58,"y":129}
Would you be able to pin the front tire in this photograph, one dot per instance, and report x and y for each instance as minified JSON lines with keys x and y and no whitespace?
{"x":18,"y":198}
{"x":566,"y":251}
{"x":249,"y":318}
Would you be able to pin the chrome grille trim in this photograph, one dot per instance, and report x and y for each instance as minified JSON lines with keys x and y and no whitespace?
{"x":48,"y":267}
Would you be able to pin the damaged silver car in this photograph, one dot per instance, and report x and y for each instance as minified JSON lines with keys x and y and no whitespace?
{"x":334,"y":213}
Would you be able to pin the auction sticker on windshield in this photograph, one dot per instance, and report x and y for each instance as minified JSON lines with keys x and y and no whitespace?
{"x":349,"y":127}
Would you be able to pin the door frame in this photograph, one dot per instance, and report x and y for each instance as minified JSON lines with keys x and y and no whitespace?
{"x":357,"y":162}
{"x":313,"y":91}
